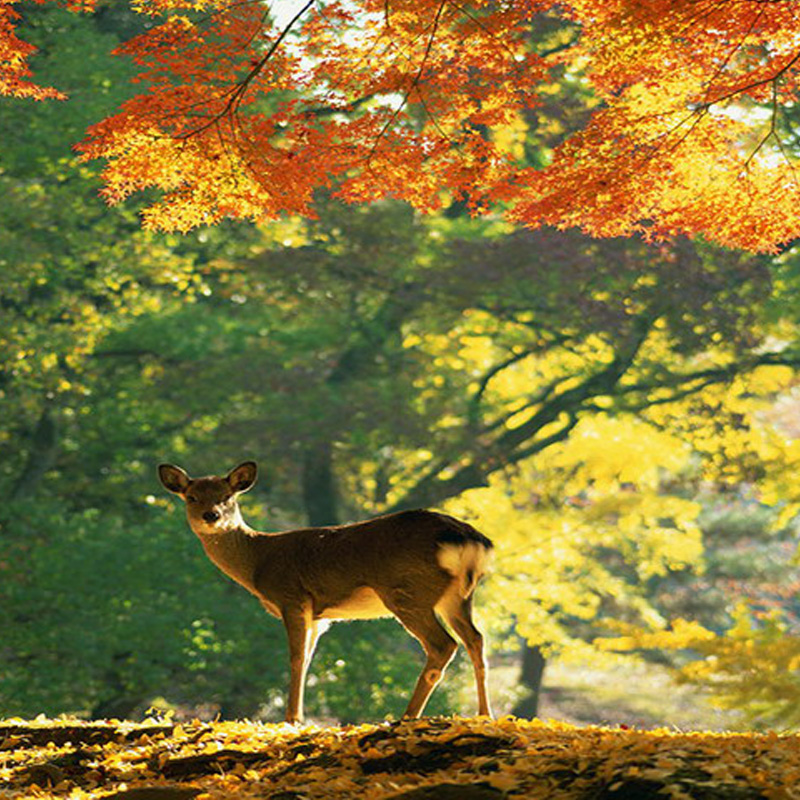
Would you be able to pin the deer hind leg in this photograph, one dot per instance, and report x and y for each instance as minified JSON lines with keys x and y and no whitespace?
{"x":439,"y":646}
{"x":457,"y":613}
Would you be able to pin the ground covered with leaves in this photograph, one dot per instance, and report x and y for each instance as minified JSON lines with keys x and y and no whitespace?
{"x":430,"y":759}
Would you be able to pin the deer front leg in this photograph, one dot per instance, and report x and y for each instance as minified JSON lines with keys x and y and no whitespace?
{"x":302,"y":633}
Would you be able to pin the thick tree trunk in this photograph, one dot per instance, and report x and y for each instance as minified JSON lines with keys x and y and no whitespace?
{"x":41,"y":455}
{"x":357,"y":360}
{"x":531,"y":675}
{"x":120,"y":707}
{"x":320,"y":493}
{"x":119,"y":700}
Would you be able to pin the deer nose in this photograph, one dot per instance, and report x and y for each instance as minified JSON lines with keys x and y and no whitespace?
{"x":210,"y":516}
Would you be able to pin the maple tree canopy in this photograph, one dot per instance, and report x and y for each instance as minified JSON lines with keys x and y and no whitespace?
{"x":247,"y":108}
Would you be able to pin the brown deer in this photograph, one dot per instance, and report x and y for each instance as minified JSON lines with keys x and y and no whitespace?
{"x":416,"y":565}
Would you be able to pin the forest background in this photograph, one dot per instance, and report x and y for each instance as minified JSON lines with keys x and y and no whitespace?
{"x":619,"y":415}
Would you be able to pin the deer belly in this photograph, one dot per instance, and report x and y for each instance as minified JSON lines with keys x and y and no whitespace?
{"x":364,"y":603}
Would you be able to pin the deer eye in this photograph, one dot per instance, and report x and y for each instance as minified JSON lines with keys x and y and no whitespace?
{"x":191,"y":498}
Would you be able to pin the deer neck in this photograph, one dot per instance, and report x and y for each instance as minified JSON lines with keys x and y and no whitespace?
{"x":234,"y":551}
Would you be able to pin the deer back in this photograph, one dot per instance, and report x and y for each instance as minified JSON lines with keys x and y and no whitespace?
{"x":414,"y":552}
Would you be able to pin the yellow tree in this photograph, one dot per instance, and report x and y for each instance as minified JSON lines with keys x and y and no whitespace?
{"x":752,"y":664}
{"x":583,"y":503}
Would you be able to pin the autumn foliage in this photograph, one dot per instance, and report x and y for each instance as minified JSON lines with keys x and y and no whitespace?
{"x":433,"y":758}
{"x":246,"y":111}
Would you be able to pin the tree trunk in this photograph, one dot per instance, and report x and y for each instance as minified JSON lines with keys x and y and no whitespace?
{"x":120,"y":707}
{"x":41,"y":455}
{"x":531,"y":675}
{"x":119,"y":699}
{"x":320,"y":494}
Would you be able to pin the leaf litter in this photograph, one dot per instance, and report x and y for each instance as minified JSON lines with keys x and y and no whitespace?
{"x":428,"y":759}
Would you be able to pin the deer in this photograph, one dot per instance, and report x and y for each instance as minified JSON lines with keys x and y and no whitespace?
{"x":420,"y":566}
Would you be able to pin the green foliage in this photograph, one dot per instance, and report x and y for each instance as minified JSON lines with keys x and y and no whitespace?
{"x":75,"y":56}
{"x":101,"y":613}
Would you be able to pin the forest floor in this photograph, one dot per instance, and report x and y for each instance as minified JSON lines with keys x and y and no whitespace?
{"x":637,"y":695}
{"x":429,"y":759}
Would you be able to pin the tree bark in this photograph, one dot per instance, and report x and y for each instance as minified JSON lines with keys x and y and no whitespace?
{"x":119,"y":700}
{"x":120,"y":707}
{"x":41,"y":455}
{"x":320,"y":493}
{"x":531,"y":677}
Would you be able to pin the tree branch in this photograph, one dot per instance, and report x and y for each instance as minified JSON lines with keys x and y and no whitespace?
{"x":237,"y":93}
{"x":517,"y":443}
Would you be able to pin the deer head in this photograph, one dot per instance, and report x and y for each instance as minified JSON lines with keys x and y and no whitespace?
{"x":211,"y":503}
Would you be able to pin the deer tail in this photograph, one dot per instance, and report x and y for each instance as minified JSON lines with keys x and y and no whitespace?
{"x":465,"y":553}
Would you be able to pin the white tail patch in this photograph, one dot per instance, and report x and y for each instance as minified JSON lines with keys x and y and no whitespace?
{"x":467,"y":562}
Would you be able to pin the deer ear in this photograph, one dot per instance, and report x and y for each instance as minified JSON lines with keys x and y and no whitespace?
{"x":173,"y":478}
{"x":243,"y":477}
